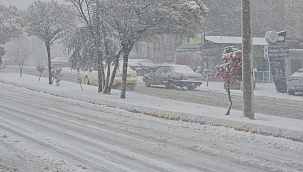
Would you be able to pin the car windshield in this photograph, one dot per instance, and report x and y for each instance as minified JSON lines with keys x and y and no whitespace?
{"x":133,"y":62}
{"x":146,"y":63}
{"x":60,"y":59}
{"x":300,"y":71}
{"x":183,"y":69}
{"x":120,"y":67}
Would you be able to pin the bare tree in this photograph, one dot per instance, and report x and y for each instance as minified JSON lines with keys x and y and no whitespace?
{"x":267,"y":15}
{"x":10,"y":26}
{"x":223,"y":18}
{"x":83,"y":54}
{"x":231,"y":70}
{"x":138,"y":20}
{"x":89,"y":12}
{"x":293,"y":19}
{"x":134,"y":21}
{"x":40,"y":69}
{"x":20,"y":53}
{"x":2,"y":64}
{"x":49,"y":21}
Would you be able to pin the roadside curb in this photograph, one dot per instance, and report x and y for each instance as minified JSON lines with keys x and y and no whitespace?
{"x":205,"y":120}
{"x":169,"y":115}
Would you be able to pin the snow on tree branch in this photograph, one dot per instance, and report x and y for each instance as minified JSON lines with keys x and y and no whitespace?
{"x":10,"y":23}
{"x":195,"y":10}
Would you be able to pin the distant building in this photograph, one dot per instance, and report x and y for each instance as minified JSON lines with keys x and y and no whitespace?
{"x":160,"y":50}
{"x":210,"y":51}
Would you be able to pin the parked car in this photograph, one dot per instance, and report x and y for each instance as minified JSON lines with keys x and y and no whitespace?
{"x":295,"y":82}
{"x":91,"y":78}
{"x":172,"y":76}
{"x":141,"y":66}
{"x":60,"y":61}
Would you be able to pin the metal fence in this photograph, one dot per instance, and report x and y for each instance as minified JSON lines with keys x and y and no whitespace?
{"x":263,"y":77}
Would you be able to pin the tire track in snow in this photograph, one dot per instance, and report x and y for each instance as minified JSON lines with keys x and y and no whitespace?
{"x":248,"y":152}
{"x":158,"y":163}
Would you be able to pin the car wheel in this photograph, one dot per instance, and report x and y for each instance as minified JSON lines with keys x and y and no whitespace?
{"x":119,"y":87}
{"x":170,"y":85}
{"x":147,"y":83}
{"x":132,"y":86}
{"x":86,"y":80}
{"x":291,"y":92}
{"x":191,"y":87}
{"x":139,"y":73}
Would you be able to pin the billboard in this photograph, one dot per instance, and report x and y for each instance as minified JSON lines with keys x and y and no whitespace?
{"x":198,"y":39}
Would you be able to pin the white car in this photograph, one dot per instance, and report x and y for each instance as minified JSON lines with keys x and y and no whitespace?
{"x":295,"y":82}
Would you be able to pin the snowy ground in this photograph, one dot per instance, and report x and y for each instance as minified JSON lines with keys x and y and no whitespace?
{"x":266,"y":89}
{"x":165,"y":108}
{"x":251,"y":151}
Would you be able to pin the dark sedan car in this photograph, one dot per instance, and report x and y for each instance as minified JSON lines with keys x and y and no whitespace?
{"x":141,"y":66}
{"x":173,"y":76}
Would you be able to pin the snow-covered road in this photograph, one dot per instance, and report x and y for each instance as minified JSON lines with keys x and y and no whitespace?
{"x":41,"y":132}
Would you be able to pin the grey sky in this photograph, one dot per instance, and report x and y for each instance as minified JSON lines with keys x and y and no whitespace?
{"x":21,"y":4}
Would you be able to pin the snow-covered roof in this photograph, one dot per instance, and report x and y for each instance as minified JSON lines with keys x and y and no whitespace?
{"x":179,"y":67}
{"x":144,"y":62}
{"x":233,"y":40}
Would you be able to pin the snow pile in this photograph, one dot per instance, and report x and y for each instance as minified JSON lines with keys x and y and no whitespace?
{"x":192,"y":5}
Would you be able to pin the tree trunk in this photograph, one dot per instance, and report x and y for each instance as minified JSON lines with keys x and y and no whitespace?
{"x":164,"y":48}
{"x":107,"y":58}
{"x":116,"y":64}
{"x":47,"y":45}
{"x":247,"y":69}
{"x":20,"y":68}
{"x":97,"y":42}
{"x":100,"y":72}
{"x":106,"y":85}
{"x":126,"y":50}
{"x":148,"y":51}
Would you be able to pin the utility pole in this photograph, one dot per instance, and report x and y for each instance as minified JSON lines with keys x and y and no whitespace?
{"x":247,"y":59}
